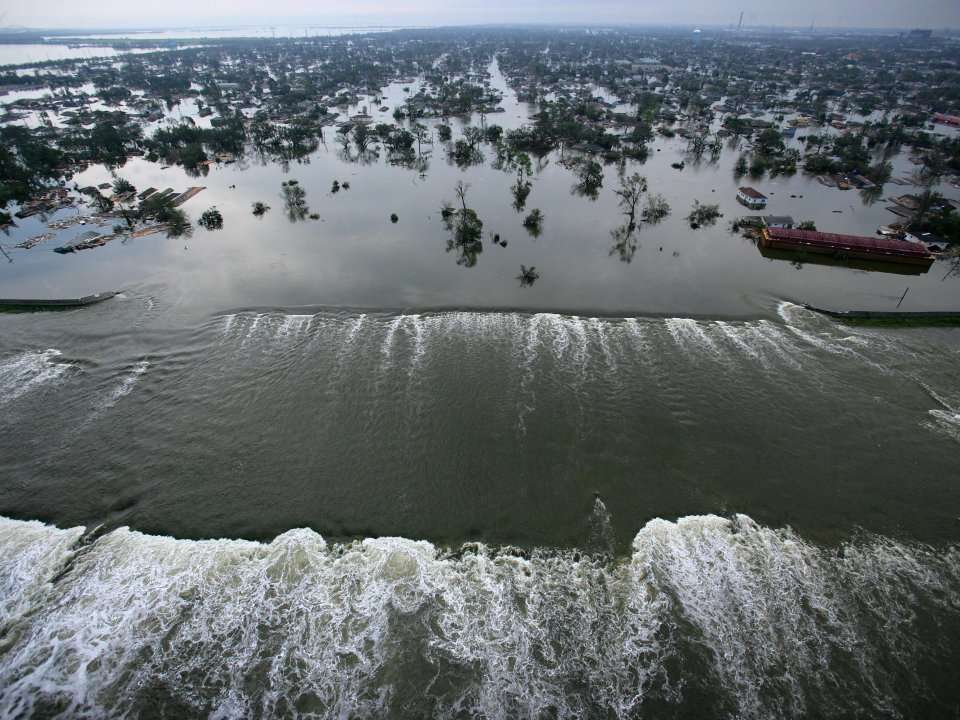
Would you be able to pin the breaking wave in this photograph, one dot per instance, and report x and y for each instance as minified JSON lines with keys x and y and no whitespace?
{"x":704,"y":612}
{"x":589,"y":356}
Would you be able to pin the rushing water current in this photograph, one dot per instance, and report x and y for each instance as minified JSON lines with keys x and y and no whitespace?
{"x":706,"y":617}
{"x":479,"y":497}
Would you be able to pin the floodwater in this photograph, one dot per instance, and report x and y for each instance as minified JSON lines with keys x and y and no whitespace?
{"x":321,"y":469}
{"x":21,"y":54}
{"x":354,"y":256}
{"x":243,"y":31}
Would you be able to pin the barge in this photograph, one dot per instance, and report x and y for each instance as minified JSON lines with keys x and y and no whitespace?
{"x":847,"y":247}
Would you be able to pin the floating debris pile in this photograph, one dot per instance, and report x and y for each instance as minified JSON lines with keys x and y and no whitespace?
{"x":34,"y":241}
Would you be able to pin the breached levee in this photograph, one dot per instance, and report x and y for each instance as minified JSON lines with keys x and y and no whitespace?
{"x":672,"y":360}
{"x":704,"y":613}
{"x":577,"y":340}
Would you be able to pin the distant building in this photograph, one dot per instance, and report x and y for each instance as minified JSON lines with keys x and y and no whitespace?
{"x":920,"y":34}
{"x":946,"y":119}
{"x":753,"y":199}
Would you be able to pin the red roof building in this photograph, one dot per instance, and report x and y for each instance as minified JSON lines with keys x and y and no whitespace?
{"x":947,"y":119}
{"x":854,"y":247}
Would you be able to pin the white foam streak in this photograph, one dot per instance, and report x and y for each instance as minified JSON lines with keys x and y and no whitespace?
{"x":419,"y":341}
{"x":527,"y":397}
{"x":599,"y":328}
{"x":737,"y":335}
{"x":292,"y":326}
{"x":689,"y":334}
{"x":129,"y":381}
{"x":387,"y":347}
{"x":946,"y":418}
{"x":354,"y":328}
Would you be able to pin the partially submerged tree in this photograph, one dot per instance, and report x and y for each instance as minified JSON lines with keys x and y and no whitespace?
{"x":741,"y":167}
{"x":589,"y":179}
{"x":533,"y":222}
{"x":295,"y":200}
{"x":528,"y":275}
{"x":464,"y":153}
{"x":260,"y":209}
{"x":656,"y":210}
{"x":629,"y":192}
{"x":177,"y":222}
{"x":124,"y":194}
{"x":465,"y":227}
{"x":361,"y":137}
{"x":211,"y":219}
{"x":421,"y":132}
{"x":701,"y":215}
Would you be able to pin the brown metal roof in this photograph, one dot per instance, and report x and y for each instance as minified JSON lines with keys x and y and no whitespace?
{"x":750,"y":192}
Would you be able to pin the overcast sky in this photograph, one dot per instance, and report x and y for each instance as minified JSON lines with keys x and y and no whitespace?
{"x":935,"y":14}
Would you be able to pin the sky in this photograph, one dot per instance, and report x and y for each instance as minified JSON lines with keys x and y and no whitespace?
{"x":936,"y":14}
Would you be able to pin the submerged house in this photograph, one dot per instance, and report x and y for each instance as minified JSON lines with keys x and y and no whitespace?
{"x":752,"y":198}
{"x":778,"y":221}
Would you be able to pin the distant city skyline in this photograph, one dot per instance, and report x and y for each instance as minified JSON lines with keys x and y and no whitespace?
{"x":53,"y":14}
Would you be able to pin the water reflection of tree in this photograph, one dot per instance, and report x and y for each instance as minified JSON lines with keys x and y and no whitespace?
{"x":367,"y":157}
{"x":407,"y":158}
{"x":624,"y":243}
{"x":196,"y":171}
{"x":177,"y":222}
{"x":465,"y":228}
{"x":953,"y":268}
{"x":870,"y":195}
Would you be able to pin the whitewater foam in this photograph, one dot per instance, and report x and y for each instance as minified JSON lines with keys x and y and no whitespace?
{"x":29,"y":371}
{"x":128,"y":382}
{"x":754,"y":620}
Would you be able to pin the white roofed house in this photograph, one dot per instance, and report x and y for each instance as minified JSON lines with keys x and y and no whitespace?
{"x":752,"y":198}
{"x":778,"y":221}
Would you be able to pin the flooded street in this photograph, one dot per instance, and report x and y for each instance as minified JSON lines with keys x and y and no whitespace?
{"x":354,"y":256}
